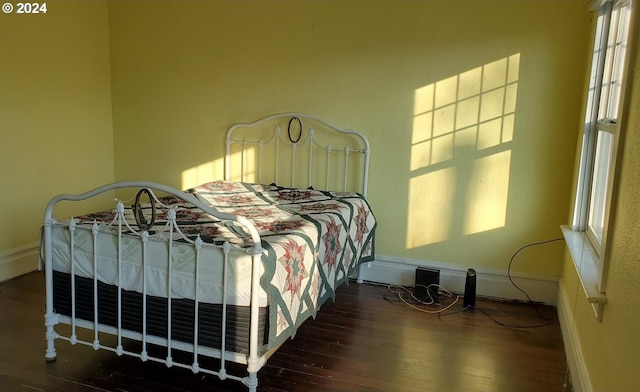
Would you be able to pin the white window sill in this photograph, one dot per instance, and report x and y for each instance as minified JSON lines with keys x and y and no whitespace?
{"x":585,"y":260}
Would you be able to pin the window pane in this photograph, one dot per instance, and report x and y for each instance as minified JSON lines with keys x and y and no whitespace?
{"x":607,"y":71}
{"x":599,"y":184}
{"x":614,"y":63}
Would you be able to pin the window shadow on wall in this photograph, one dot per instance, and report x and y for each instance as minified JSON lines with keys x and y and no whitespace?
{"x":463,"y":128}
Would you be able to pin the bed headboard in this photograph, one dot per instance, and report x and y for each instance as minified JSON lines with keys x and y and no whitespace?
{"x":297,"y":150}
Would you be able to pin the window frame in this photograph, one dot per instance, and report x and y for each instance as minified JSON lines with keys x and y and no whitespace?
{"x":604,"y":115}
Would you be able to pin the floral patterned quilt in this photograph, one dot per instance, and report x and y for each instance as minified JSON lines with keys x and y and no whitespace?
{"x":312,"y":241}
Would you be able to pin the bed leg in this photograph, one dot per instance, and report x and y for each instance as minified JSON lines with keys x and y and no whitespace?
{"x":252,"y":382}
{"x":50,"y":321}
{"x":359,"y":278}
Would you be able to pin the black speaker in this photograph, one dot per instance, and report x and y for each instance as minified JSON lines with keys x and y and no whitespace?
{"x":425,"y":277}
{"x":470,"y":289}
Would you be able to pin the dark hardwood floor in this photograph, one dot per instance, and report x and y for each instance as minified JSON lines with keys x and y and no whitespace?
{"x":362,"y":342}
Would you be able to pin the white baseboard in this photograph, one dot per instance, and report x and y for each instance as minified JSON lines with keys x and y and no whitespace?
{"x":580,"y":379}
{"x":489,"y":282}
{"x":18,"y":261}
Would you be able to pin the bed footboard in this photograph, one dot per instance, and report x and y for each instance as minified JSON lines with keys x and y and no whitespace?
{"x":91,"y":293}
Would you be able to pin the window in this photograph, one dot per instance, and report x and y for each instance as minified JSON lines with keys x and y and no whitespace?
{"x":600,"y":143}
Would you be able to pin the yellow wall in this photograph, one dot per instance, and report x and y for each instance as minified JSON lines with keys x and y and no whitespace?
{"x":55,"y":112}
{"x":471,"y":107}
{"x":611,"y":348}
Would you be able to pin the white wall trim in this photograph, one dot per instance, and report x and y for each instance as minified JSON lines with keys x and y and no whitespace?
{"x":489,"y":282}
{"x":18,"y":261}
{"x":580,"y":379}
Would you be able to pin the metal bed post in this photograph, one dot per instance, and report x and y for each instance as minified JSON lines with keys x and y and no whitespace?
{"x":311,"y":141}
{"x":365,"y":175}
{"x":329,"y":150}
{"x":254,"y":362}
{"x":196,"y":319}
{"x":346,"y":166}
{"x":145,"y":239}
{"x":72,"y":245}
{"x":120,"y":214}
{"x":172,"y":226}
{"x":226,"y":248}
{"x":94,"y":233}
{"x":277,"y":140}
{"x":365,"y":179}
{"x":50,"y":318}
{"x":294,"y":147}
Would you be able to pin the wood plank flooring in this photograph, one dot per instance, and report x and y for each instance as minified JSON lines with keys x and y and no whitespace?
{"x":361,"y":342}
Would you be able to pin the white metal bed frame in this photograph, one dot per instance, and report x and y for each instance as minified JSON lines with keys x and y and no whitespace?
{"x":253,"y":360}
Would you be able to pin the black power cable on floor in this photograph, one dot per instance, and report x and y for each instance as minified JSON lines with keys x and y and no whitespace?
{"x":549,"y":320}
{"x":514,"y":283}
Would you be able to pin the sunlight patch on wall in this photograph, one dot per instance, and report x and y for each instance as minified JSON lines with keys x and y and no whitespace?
{"x":206,"y":172}
{"x":487,"y":196}
{"x":244,"y":164}
{"x":243,"y":161}
{"x":461,"y":153}
{"x":433,"y":221}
